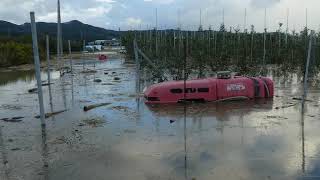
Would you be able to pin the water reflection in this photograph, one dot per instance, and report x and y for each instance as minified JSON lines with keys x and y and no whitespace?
{"x":13,"y":76}
{"x":185,"y":141}
{"x":4,"y":157}
{"x":72,"y":88}
{"x":44,"y":154}
{"x":303,"y":164}
{"x":64,"y":95}
{"x":222,"y":111}
{"x":228,"y":140}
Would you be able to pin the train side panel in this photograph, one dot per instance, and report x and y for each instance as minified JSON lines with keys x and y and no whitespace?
{"x":235,"y":87}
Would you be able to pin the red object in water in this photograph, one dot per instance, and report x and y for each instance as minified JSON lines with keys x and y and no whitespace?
{"x":210,"y":89}
{"x":103,"y":57}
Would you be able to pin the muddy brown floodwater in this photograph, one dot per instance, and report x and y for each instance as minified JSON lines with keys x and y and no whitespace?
{"x":128,"y":140}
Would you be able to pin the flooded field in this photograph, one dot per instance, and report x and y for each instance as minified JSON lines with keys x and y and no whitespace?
{"x":126,"y":139}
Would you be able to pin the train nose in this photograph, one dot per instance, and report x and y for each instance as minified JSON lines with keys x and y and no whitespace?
{"x":152,"y":99}
{"x":150,"y":95}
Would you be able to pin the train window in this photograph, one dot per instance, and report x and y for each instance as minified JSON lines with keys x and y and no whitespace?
{"x":191,"y":90}
{"x":203,"y":90}
{"x":176,"y":91}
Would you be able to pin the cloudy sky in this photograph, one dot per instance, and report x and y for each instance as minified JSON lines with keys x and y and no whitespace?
{"x":134,"y":14}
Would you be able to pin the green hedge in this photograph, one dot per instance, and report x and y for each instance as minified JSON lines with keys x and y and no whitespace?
{"x":14,"y":53}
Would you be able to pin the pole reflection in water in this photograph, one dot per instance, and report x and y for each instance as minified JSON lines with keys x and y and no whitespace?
{"x":303,"y":161}
{"x":44,"y":154}
{"x":72,"y":89}
{"x":4,"y":155}
{"x":64,"y":98}
{"x":50,"y":98}
{"x":48,"y":73}
{"x":185,"y":141}
{"x":140,"y":110}
{"x":85,"y":85}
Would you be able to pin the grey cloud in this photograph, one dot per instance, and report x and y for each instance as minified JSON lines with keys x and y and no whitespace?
{"x":129,"y":14}
{"x":264,"y":3}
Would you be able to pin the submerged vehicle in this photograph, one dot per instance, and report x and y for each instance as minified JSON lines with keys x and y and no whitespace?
{"x":102,"y":57}
{"x":224,"y":87}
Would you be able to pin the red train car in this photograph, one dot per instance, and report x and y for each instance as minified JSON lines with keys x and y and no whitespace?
{"x":102,"y":57}
{"x":210,"y":89}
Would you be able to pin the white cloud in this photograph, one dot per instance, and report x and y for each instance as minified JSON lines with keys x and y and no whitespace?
{"x":106,"y":1}
{"x":116,"y":12}
{"x":160,"y":1}
{"x":133,"y":22}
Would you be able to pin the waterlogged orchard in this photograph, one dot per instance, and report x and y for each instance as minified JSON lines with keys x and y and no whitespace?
{"x":97,"y":127}
{"x":207,"y":51}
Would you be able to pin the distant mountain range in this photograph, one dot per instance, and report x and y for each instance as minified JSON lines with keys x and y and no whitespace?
{"x":73,"y":30}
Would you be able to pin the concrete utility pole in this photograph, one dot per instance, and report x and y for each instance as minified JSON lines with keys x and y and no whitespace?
{"x":306,"y":74}
{"x":264,"y":36}
{"x":84,"y":48}
{"x":156,"y":31}
{"x":200,"y":27}
{"x":307,"y":19}
{"x":58,"y":36}
{"x":287,"y":29}
{"x":48,"y":72}
{"x":71,"y":68}
{"x":70,"y":56}
{"x":135,"y":47}
{"x":179,"y":20}
{"x":245,"y":21}
{"x":37,"y":67}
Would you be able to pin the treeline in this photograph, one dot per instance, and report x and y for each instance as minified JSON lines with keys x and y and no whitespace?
{"x":18,"y":50}
{"x":209,"y":51}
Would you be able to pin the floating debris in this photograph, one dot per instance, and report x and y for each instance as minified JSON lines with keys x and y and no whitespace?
{"x":59,"y":140}
{"x":84,"y":101}
{"x":88,"y":71}
{"x":88,"y":108}
{"x":94,"y":122}
{"x":107,"y":84}
{"x":81,"y":124}
{"x":97,"y":80}
{"x":116,"y":78}
{"x":129,"y":131}
{"x":46,"y":84}
{"x":33,"y":90}
{"x":11,"y":107}
{"x":172,"y":121}
{"x":121,"y":108}
{"x":14,"y":119}
{"x":276,"y":117}
{"x":47,"y":115}
{"x":300,"y":99}
{"x":286,"y":106}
